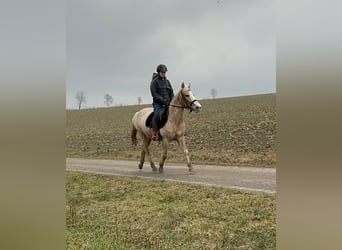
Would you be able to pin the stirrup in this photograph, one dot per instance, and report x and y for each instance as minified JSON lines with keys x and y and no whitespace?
{"x":154,"y":136}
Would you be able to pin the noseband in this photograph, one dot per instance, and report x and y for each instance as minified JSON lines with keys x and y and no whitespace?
{"x":184,"y":100}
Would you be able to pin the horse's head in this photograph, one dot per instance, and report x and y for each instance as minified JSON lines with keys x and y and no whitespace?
{"x":189,"y":98}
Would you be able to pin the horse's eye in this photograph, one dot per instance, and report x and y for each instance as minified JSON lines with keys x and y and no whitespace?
{"x":187,"y":95}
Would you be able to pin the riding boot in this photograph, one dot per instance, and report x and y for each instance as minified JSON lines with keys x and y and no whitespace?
{"x":155,"y":129}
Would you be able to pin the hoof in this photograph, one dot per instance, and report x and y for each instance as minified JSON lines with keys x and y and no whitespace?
{"x":161,"y":170}
{"x":141,"y":165}
{"x":191,"y":171}
{"x":154,"y":169}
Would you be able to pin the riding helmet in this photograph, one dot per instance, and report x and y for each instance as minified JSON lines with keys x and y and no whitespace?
{"x":161,"y":68}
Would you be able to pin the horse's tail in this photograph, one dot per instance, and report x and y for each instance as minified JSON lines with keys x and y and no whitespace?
{"x":134,"y":135}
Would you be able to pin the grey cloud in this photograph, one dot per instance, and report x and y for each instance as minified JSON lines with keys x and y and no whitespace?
{"x":116,"y":45}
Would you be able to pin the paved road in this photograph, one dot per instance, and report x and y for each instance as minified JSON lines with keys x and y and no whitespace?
{"x":240,"y":178}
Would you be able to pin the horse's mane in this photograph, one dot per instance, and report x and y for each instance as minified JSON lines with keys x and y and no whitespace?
{"x":178,"y":97}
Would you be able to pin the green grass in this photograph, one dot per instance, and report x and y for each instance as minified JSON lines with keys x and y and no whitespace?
{"x":110,"y":212}
{"x":237,"y":131}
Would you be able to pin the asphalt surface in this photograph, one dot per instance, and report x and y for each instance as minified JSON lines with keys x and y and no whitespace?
{"x":248,"y":179}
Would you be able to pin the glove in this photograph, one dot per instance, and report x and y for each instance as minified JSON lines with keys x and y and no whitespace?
{"x":165,"y":102}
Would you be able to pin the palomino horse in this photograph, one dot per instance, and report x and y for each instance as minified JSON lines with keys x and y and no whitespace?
{"x":173,"y":130}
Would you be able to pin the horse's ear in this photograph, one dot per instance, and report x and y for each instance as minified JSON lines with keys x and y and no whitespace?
{"x":183,"y":85}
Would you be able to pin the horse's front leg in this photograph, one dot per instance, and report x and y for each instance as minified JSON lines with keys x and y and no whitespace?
{"x":181,"y":142}
{"x":165,"y":145}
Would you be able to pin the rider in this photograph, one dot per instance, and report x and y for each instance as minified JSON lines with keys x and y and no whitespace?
{"x":162,"y":94}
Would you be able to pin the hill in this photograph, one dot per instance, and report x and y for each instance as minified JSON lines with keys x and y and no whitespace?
{"x":238,"y":131}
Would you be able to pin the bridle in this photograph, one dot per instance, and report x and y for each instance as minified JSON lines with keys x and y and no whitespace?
{"x":184,"y":100}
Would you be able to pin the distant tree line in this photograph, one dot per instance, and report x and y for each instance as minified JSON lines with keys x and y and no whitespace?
{"x":108,"y":99}
{"x":80,"y":99}
{"x":213,"y":93}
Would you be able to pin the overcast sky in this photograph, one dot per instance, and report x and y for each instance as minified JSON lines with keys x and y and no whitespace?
{"x":114,"y":46}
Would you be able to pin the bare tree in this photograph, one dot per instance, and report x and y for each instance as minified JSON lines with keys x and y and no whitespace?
{"x":139,"y":100}
{"x":81,"y":98}
{"x":108,"y":99}
{"x":213,"y":93}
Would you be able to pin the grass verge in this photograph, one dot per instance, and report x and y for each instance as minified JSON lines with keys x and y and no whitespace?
{"x":110,"y":212}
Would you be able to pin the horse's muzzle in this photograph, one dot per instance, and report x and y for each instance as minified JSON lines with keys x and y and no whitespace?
{"x":196,"y":107}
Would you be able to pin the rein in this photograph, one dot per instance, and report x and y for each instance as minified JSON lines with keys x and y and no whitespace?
{"x":184,"y":107}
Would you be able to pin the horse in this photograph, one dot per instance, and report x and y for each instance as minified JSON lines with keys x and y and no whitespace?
{"x":174,"y":128}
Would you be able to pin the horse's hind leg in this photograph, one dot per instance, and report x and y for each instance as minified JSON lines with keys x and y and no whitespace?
{"x":165,"y":145}
{"x":142,"y":154}
{"x":142,"y":159}
{"x":146,"y":144}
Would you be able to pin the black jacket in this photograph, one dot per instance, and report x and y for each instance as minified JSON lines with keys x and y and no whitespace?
{"x":161,"y":90}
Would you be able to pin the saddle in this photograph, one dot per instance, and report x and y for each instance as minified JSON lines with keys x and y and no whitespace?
{"x":162,"y":118}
